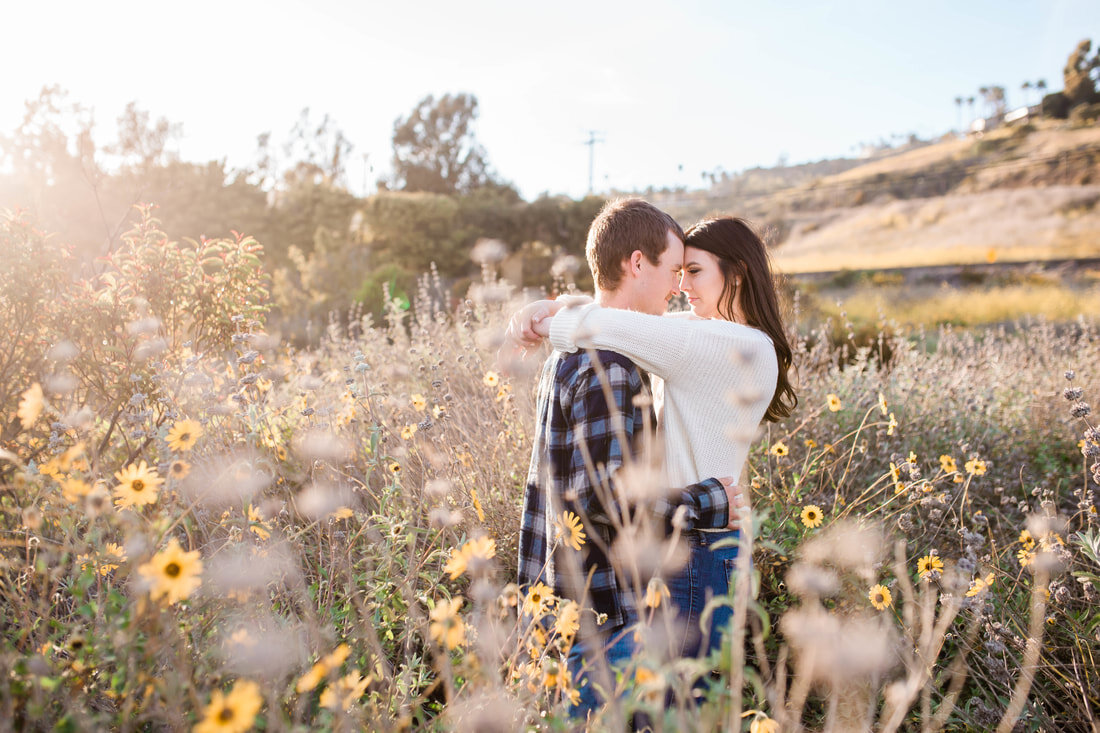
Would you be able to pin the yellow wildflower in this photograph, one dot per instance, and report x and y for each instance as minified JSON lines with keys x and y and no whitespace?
{"x":979,"y":585}
{"x":812,"y":516}
{"x":571,"y":530}
{"x":179,"y":469}
{"x":538,"y":598}
{"x":232,"y":713}
{"x":138,"y":485}
{"x":184,"y":434}
{"x":346,"y":692}
{"x":880,"y":597}
{"x":173,"y":574}
{"x":74,"y":489}
{"x":655,"y":591}
{"x":895,"y":476}
{"x":930,"y":566}
{"x":763,"y":724}
{"x":976,"y":466}
{"x":568,"y":620}
{"x":446,"y":626}
{"x":477,"y":505}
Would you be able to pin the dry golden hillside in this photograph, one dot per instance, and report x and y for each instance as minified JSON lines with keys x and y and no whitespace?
{"x":1016,"y":193}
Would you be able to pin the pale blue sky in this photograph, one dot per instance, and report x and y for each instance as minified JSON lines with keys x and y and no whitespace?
{"x":699,"y":84}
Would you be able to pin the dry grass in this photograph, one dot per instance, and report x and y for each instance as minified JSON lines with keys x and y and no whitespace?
{"x":930,"y":305}
{"x":1009,"y":225}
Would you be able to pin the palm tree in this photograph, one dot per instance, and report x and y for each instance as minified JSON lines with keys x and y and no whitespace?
{"x":997,"y":98}
{"x":958,"y":116}
{"x":970,"y":104}
{"x":1041,"y":86}
{"x":984,"y":91}
{"x":1026,"y":88}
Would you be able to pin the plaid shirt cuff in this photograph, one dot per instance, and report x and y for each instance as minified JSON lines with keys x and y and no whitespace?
{"x":704,"y":505}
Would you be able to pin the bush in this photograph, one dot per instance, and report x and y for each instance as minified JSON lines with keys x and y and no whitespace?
{"x":1085,"y":114}
{"x":1056,"y":105}
{"x":887,"y":278}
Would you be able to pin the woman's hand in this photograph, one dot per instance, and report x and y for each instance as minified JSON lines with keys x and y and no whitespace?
{"x":526,"y":330}
{"x":531,"y":324}
{"x":738,"y":506}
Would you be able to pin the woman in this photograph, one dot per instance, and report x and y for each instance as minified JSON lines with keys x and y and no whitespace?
{"x":716,"y":373}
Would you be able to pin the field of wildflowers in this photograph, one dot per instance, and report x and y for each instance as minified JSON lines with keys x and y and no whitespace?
{"x":205,"y":527}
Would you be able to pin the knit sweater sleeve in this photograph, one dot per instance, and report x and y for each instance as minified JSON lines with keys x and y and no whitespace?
{"x":658,"y":344}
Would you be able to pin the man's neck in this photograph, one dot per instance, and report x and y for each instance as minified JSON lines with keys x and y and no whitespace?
{"x":614,"y":299}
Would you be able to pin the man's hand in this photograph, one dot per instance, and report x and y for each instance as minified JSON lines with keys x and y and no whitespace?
{"x":738,"y":506}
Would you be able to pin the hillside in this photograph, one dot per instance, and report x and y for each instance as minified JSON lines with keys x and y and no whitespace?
{"x":1018,"y":193}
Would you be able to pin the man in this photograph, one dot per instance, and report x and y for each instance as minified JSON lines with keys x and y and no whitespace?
{"x":591,"y":410}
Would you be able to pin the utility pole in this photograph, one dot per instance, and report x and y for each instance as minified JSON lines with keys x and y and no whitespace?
{"x":591,"y":143}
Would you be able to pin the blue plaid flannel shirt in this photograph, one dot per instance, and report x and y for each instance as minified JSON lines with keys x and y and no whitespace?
{"x":572,"y":409}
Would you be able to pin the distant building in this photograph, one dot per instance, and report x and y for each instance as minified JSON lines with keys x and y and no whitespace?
{"x":1020,"y":114}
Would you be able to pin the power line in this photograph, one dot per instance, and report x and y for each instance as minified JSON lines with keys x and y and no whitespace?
{"x":591,"y":143}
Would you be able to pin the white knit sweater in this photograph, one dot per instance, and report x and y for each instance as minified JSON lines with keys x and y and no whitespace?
{"x":712,"y":380}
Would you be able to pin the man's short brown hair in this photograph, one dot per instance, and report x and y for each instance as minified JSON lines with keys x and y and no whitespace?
{"x":622,"y":226}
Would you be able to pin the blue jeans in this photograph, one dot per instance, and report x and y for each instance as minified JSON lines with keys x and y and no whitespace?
{"x":708,"y":573}
{"x":585,"y":665}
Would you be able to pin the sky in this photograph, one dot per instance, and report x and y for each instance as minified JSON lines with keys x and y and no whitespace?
{"x":671,"y":90}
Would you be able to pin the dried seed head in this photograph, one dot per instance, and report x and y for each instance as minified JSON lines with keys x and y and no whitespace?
{"x":811,"y":581}
{"x":839,"y":650}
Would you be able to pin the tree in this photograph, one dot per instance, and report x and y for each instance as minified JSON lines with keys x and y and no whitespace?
{"x":50,"y":166}
{"x":998,"y":99}
{"x":315,"y":154}
{"x":434,"y":149}
{"x":1026,"y":89}
{"x":994,"y":99}
{"x":959,"y":105}
{"x":141,"y":144}
{"x":1080,"y":87}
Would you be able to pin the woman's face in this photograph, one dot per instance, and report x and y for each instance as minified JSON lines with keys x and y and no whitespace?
{"x":702,"y":281}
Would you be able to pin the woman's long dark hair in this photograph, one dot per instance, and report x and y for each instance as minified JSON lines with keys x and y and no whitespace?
{"x":742,"y":254}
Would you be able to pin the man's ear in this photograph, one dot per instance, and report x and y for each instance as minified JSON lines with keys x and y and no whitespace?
{"x":634,"y":264}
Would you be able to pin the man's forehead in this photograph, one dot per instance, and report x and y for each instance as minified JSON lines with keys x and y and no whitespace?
{"x":675,"y":247}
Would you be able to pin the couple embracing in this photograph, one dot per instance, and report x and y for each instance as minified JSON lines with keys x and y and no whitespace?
{"x":620,"y":365}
